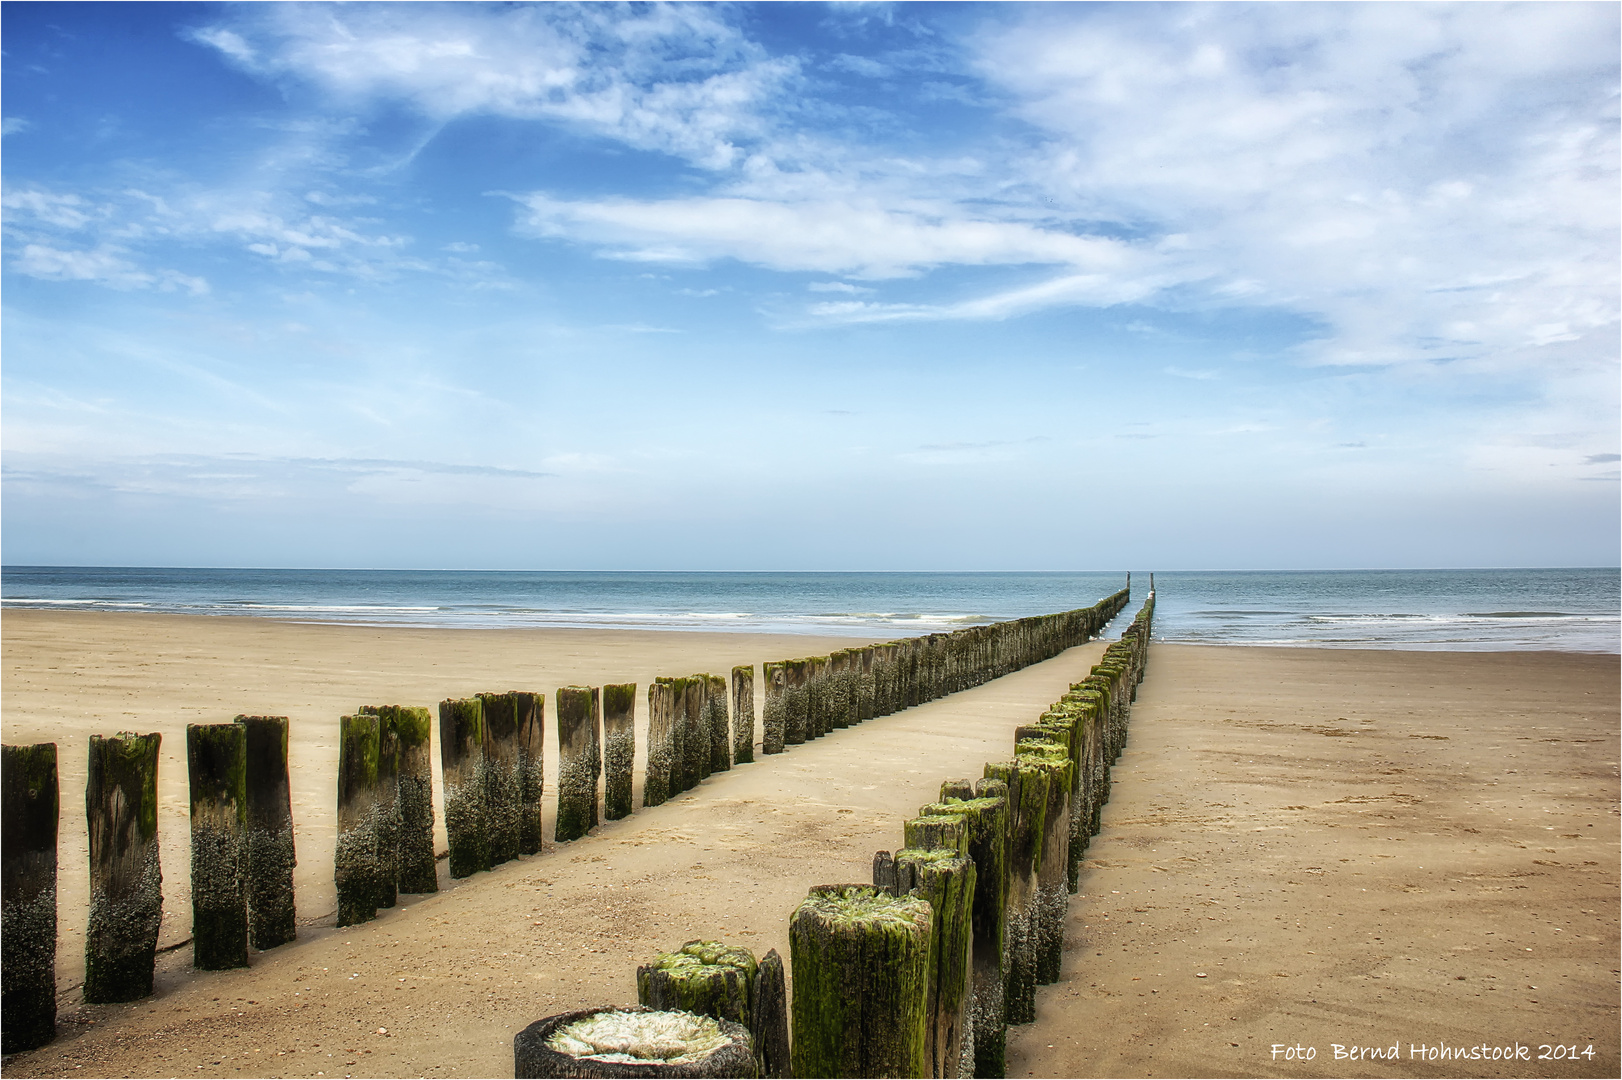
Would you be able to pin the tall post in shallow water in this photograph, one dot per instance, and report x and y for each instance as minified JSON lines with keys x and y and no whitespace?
{"x":270,"y":857}
{"x":126,"y":878}
{"x":216,"y":767}
{"x":30,"y":810}
{"x":619,"y":748}
{"x":743,"y":714}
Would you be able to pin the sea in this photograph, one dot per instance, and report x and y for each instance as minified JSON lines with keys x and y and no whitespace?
{"x":1565,"y":609}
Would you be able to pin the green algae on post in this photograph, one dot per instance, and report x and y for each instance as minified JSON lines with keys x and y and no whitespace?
{"x":715,"y":718}
{"x":1027,"y":787}
{"x":619,"y":748}
{"x":216,"y":768}
{"x":860,"y":961}
{"x":769,"y":1022}
{"x":413,"y":848}
{"x":503,"y":779}
{"x":796,"y":702}
{"x":30,"y":812}
{"x":126,"y":877}
{"x":774,"y":714}
{"x":708,"y":978}
{"x":461,"y":756}
{"x":357,"y":866}
{"x":743,"y":714}
{"x":270,"y":854}
{"x":578,"y":710}
{"x":947,"y":880}
{"x":531,"y":770}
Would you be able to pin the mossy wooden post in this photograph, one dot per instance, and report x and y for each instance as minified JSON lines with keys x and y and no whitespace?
{"x":416,"y":871}
{"x":860,"y":960}
{"x":770,"y":1021}
{"x":126,"y":878}
{"x":1027,"y":787}
{"x":619,"y":748}
{"x":817,"y":698}
{"x":796,"y":703}
{"x":707,"y":978}
{"x":661,"y":714}
{"x":386,"y":812}
{"x":695,"y":731}
{"x":461,"y":757}
{"x":984,"y":813}
{"x":837,"y":697}
{"x":1052,"y":888}
{"x":864,"y":682}
{"x":216,"y":769}
{"x":946,"y":879}
{"x":30,"y":810}
{"x":357,"y":867}
{"x":270,"y":855}
{"x":578,"y":708}
{"x":743,"y":714}
{"x":503,"y":779}
{"x":531,"y":771}
{"x":774,"y":714}
{"x":720,"y":727}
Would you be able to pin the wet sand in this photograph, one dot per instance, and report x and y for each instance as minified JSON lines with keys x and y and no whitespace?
{"x":1261,"y":789}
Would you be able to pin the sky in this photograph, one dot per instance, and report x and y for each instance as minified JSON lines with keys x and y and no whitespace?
{"x":810,"y":286}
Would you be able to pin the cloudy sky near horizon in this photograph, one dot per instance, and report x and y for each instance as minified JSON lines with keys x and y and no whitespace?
{"x":811,"y":286}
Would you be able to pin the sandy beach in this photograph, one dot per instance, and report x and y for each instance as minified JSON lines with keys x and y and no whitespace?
{"x":1368,"y":848}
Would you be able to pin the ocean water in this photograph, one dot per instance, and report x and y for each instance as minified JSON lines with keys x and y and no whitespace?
{"x":1570,"y":609}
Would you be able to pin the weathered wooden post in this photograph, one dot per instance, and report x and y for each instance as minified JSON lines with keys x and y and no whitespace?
{"x":413,"y":818}
{"x":861,"y":982}
{"x":216,"y":768}
{"x":632,"y":1040}
{"x":386,"y":812}
{"x":270,"y":854}
{"x":715,"y":717}
{"x":774,"y":715}
{"x":531,"y":770}
{"x":946,"y":879}
{"x":816,"y":697}
{"x":770,"y":1022}
{"x":1053,"y":888}
{"x":619,"y":748}
{"x":864,"y":682}
{"x":579,"y":709}
{"x":707,"y":978}
{"x":126,"y":878}
{"x":661,"y":717}
{"x":461,"y":758}
{"x":357,"y":865}
{"x":30,"y":809}
{"x":1027,"y":787}
{"x":503,"y":779}
{"x":837,"y":696}
{"x":796,"y":704}
{"x":695,"y":730}
{"x":743,"y":714}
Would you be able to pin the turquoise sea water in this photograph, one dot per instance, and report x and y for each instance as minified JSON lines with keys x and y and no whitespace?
{"x":1573,"y":609}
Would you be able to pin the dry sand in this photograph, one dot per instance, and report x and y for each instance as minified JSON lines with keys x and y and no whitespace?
{"x":1421,"y":816}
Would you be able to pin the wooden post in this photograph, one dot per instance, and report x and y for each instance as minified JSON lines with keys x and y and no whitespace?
{"x":503,"y":781}
{"x":632,"y":1040}
{"x":796,"y":703}
{"x":619,"y":748}
{"x":661,"y":714}
{"x":30,"y":810}
{"x":414,"y":786}
{"x":1027,"y":788}
{"x":695,"y":730}
{"x":861,"y":982}
{"x":774,"y":715}
{"x":461,"y":757}
{"x":578,"y":724}
{"x":743,"y":714}
{"x":126,"y":878}
{"x":770,"y":1022}
{"x":531,"y":770}
{"x":270,"y":856}
{"x":357,"y":867}
{"x":816,"y":697}
{"x":216,"y":767}
{"x":706,"y":978}
{"x":715,"y":718}
{"x":864,"y":682}
{"x":386,"y":812}
{"x":837,"y":696}
{"x":1053,"y":888}
{"x":946,"y":879}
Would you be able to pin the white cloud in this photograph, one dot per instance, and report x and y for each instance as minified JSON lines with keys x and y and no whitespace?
{"x":104,"y":266}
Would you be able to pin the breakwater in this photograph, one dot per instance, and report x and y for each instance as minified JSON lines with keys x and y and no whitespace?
{"x":486,"y":766}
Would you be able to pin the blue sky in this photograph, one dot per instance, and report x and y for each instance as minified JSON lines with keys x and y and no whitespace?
{"x":811,"y":286}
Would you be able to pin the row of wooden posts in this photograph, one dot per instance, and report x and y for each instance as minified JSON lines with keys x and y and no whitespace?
{"x":920,"y":973}
{"x":242,"y":852}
